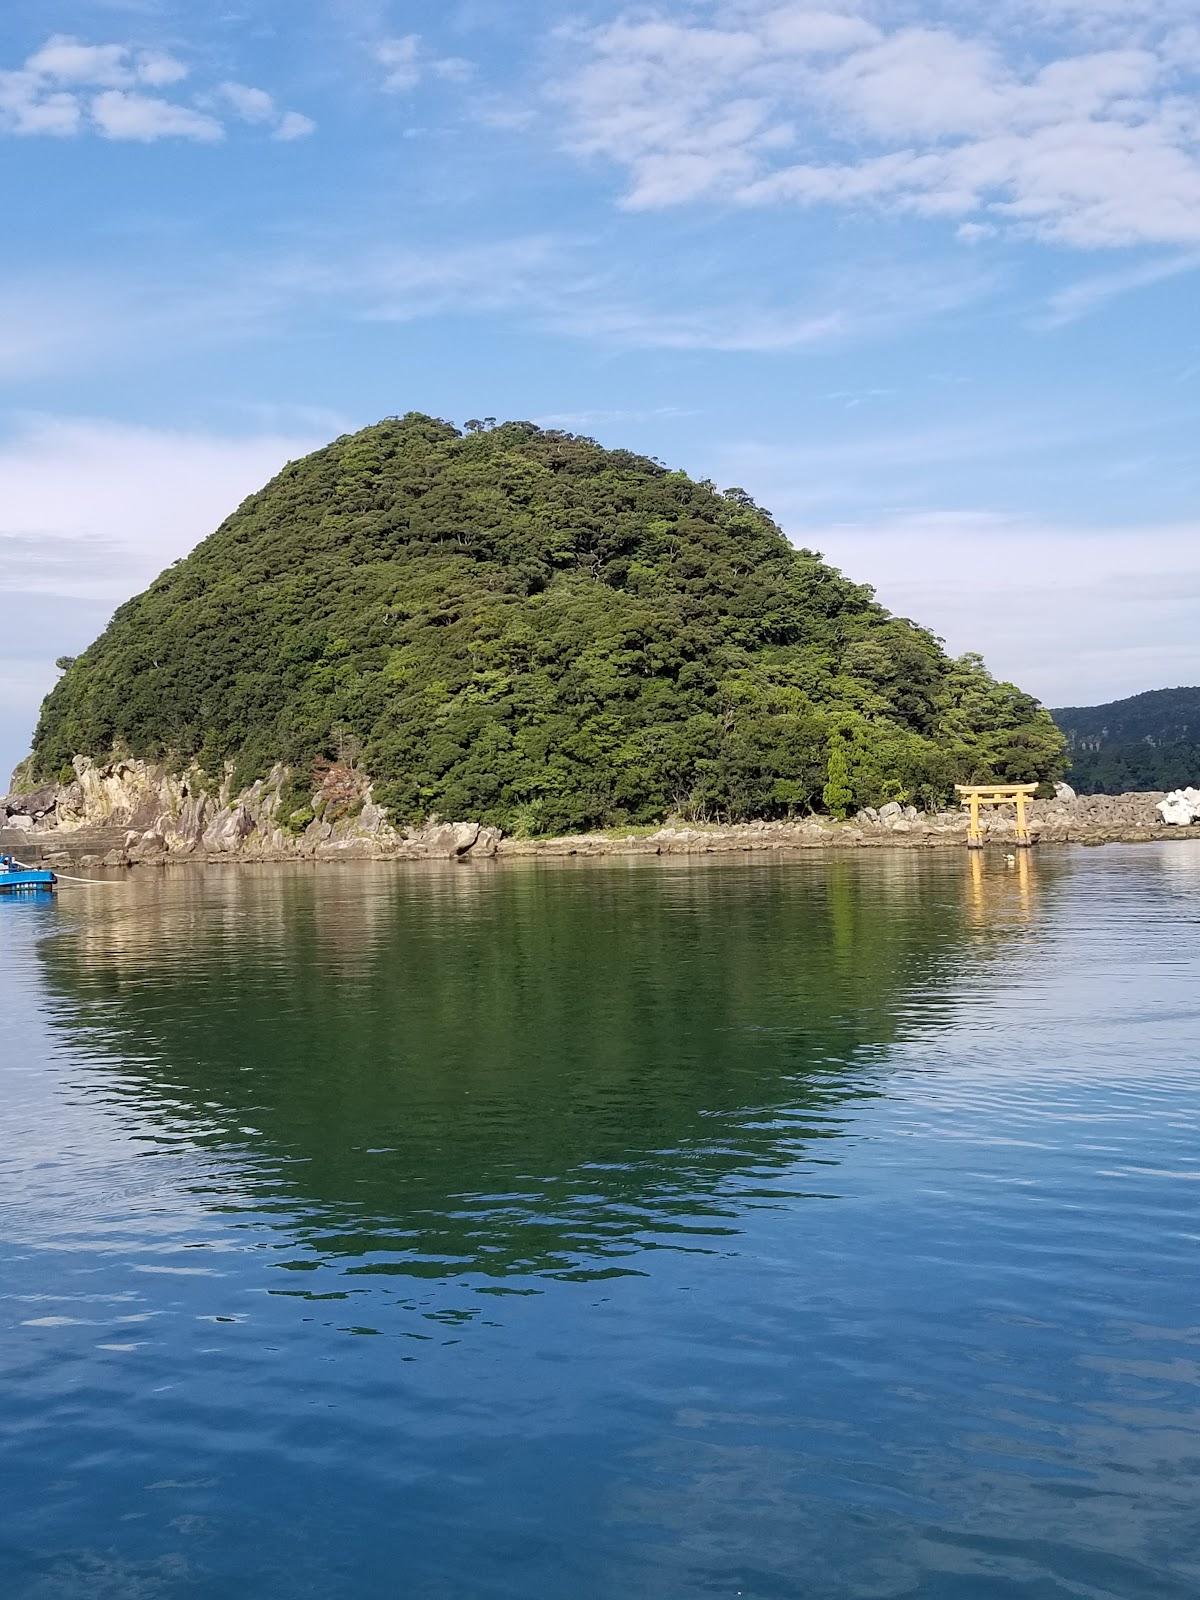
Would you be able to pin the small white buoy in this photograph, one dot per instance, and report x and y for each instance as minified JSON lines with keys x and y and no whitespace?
{"x":1012,"y":860}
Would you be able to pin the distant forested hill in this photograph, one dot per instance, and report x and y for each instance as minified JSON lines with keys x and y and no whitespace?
{"x":1150,"y":741}
{"x":522,"y":628}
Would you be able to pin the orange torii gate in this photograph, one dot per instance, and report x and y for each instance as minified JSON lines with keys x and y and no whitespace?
{"x":997,"y":794}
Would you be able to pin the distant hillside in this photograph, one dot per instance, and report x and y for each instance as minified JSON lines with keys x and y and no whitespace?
{"x":521,"y":628}
{"x":1150,"y":741}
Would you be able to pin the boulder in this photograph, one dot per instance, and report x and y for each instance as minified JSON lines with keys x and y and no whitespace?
{"x":1180,"y":809}
{"x":371,"y":818}
{"x":488,"y":842}
{"x":227,"y":830}
{"x":446,"y":840}
{"x":1064,"y":792}
{"x":37,"y":805}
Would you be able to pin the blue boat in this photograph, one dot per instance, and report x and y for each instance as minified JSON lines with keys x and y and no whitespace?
{"x":16,"y":879}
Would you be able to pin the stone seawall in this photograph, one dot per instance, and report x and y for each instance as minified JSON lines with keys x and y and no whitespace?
{"x":127,"y":812}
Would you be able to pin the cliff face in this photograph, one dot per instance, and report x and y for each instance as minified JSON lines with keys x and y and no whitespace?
{"x":132,"y":810}
{"x":129,"y":811}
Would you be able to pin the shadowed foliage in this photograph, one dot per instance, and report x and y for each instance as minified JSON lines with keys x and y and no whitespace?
{"x":1150,"y":741}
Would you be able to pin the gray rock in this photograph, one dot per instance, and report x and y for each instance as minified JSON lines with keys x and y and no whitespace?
{"x":37,"y":805}
{"x":227,"y":830}
{"x":1064,"y":791}
{"x":446,"y":840}
{"x":370,"y":818}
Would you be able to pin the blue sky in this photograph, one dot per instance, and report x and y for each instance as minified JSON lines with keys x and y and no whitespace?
{"x":920,"y":276}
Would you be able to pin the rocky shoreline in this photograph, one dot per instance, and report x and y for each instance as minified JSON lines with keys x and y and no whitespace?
{"x":129,"y":812}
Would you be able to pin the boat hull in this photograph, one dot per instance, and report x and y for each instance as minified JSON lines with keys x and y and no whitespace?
{"x":27,"y":882}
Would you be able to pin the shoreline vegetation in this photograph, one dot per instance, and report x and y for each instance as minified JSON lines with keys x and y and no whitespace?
{"x":129,"y":813}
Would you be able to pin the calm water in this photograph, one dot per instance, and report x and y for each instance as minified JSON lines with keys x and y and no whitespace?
{"x":815,"y":1229}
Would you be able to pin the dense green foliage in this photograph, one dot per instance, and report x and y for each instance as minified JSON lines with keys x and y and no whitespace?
{"x":522,"y":627}
{"x":1150,"y":741}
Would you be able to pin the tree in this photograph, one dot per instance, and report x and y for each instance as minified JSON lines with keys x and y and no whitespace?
{"x":518,"y":626}
{"x":838,"y":795}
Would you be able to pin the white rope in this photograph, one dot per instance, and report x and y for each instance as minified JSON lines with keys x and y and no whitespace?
{"x":65,"y":877}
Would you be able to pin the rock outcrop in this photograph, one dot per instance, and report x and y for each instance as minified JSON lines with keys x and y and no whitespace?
{"x":128,"y":811}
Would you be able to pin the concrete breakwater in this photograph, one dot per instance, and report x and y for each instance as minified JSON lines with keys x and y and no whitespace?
{"x":127,"y":812}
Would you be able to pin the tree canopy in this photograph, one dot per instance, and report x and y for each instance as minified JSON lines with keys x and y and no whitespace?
{"x":1149,"y":741}
{"x":522,"y":627}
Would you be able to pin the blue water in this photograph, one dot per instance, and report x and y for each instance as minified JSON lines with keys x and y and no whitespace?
{"x":823,"y":1228}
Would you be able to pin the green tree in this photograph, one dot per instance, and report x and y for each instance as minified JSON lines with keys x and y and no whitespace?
{"x":516,"y":625}
{"x":837,"y":794}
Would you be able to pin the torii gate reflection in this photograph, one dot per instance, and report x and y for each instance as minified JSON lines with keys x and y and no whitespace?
{"x":997,"y":899}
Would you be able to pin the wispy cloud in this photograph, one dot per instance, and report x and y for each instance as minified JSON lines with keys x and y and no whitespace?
{"x":258,"y":108}
{"x":1087,"y":295}
{"x":772,"y":102}
{"x":572,"y":421}
{"x":406,"y":61}
{"x":556,"y":285}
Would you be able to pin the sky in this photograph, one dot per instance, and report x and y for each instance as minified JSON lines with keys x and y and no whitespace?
{"x":920,"y":275}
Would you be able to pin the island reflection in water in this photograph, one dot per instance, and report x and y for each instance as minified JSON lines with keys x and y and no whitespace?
{"x":797,"y":1227}
{"x":515,"y":1070}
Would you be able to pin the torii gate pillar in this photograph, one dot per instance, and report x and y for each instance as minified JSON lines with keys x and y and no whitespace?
{"x":975,"y":795}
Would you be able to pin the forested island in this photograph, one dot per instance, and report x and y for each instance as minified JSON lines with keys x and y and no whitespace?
{"x":1149,"y":741}
{"x":521,"y":627}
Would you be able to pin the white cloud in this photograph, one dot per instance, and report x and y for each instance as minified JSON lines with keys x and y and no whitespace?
{"x":158,"y":70}
{"x":67,"y":60}
{"x":293,"y":125}
{"x":119,"y":114}
{"x":505,"y":118}
{"x":258,"y":108}
{"x":28,"y":108}
{"x":93,"y":509}
{"x":69,"y":87}
{"x":453,"y":69}
{"x":248,"y":103}
{"x":1075,"y":614}
{"x":399,"y":59}
{"x":758,"y":103}
{"x":406,"y":61}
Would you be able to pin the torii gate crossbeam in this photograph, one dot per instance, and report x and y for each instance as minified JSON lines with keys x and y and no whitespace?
{"x":976,"y":795}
